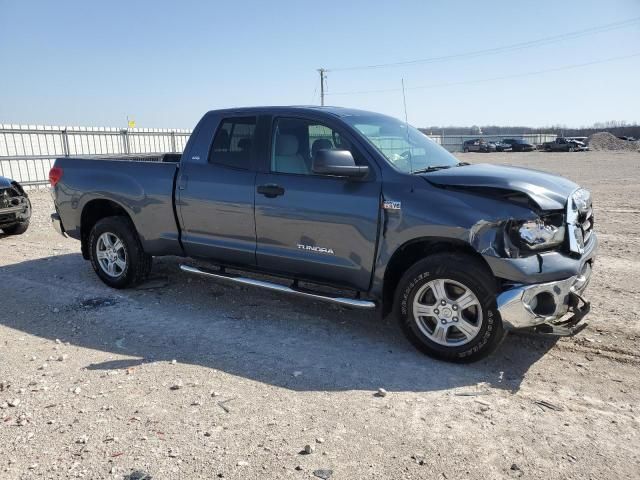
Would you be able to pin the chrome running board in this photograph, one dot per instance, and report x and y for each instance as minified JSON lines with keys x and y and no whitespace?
{"x":348,"y":302}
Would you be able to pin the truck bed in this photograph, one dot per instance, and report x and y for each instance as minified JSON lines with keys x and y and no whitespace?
{"x":142,"y":186}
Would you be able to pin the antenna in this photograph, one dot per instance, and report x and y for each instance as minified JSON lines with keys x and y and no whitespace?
{"x":406,"y":123}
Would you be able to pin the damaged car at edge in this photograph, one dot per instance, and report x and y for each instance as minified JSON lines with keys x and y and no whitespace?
{"x":328,"y":196}
{"x":15,"y":207}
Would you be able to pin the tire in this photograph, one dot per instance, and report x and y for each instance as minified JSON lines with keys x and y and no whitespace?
{"x":460,"y":274}
{"x":466,"y":150}
{"x":17,"y":229}
{"x":571,"y":149}
{"x":113,"y":241}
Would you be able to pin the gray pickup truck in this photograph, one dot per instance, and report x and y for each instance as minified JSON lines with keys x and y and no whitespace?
{"x":352,"y":200}
{"x":562,"y":144}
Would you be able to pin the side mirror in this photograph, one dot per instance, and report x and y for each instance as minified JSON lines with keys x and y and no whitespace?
{"x":339,"y":163}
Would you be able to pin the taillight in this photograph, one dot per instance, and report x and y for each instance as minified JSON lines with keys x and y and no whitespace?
{"x":55,"y":174}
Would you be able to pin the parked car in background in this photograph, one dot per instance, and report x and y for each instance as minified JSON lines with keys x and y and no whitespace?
{"x":348,"y":199}
{"x":562,"y":144}
{"x":478,"y":145}
{"x":15,"y":207}
{"x":501,"y":146}
{"x":518,"y":145}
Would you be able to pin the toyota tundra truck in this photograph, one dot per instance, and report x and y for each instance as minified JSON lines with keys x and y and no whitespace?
{"x":360,"y":202}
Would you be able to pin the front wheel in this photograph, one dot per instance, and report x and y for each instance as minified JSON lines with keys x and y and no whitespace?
{"x":116,"y":254}
{"x":446,"y":307}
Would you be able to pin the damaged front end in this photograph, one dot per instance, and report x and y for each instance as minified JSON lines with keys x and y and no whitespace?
{"x":15,"y":206}
{"x":536,"y":235}
{"x":541,"y":258}
{"x":544,"y":265}
{"x":542,"y":306}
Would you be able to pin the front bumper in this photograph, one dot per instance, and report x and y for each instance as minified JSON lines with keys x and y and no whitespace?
{"x":542,"y":305}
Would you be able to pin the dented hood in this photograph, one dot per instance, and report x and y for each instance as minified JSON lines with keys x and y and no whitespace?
{"x":549,"y":192}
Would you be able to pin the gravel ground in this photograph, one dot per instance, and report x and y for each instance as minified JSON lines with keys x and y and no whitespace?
{"x":187,"y":378}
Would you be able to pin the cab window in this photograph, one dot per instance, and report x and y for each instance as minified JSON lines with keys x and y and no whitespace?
{"x":296,"y":141}
{"x":233,"y":143}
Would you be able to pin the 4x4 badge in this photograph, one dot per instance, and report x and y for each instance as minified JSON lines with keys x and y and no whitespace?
{"x":391,"y":205}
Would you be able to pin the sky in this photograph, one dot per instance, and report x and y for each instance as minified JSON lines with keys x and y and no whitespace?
{"x":164,"y":63}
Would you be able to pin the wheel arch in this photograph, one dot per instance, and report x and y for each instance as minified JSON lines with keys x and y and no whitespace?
{"x":412,"y":251}
{"x":94,"y":211}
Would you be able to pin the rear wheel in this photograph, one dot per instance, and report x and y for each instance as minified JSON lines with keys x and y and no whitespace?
{"x":466,"y":149}
{"x":446,"y":306}
{"x":116,"y":254}
{"x":17,"y":229}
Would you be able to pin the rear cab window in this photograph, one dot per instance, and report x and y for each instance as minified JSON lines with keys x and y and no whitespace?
{"x":234,"y":142}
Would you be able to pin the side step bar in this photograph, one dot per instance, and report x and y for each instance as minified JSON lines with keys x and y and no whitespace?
{"x":349,"y":302}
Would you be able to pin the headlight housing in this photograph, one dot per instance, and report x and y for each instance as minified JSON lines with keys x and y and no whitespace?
{"x":542,"y":233}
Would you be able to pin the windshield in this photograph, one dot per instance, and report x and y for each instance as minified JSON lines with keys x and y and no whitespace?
{"x":405,"y":147}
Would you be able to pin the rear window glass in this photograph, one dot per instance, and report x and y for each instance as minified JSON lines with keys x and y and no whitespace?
{"x":233,"y":143}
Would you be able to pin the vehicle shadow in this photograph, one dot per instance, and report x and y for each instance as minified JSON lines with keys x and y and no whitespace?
{"x":280,"y":340}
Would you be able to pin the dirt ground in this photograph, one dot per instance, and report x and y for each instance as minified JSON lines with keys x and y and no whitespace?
{"x":185,"y":378}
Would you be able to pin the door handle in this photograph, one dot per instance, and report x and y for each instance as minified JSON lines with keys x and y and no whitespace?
{"x":182,"y":183}
{"x":270,"y":190}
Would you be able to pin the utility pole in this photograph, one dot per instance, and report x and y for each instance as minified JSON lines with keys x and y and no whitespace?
{"x":323,"y":77}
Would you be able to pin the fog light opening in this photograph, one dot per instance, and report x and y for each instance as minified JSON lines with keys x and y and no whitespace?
{"x":543,"y":304}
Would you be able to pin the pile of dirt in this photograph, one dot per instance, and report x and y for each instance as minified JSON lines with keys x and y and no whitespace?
{"x":607,"y":141}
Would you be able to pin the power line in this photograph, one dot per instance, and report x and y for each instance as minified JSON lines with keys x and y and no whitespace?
{"x":491,"y":79}
{"x":495,"y":50}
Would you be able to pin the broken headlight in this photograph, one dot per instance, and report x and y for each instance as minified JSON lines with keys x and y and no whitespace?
{"x":539,"y":234}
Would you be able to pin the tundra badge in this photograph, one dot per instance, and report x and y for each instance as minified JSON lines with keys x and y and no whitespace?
{"x":316,"y":249}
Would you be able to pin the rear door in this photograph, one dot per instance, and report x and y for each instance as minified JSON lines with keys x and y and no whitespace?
{"x":311,"y":226}
{"x":216,"y":194}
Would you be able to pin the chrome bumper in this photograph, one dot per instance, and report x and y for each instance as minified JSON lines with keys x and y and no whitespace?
{"x":527,"y":306}
{"x":57,"y":224}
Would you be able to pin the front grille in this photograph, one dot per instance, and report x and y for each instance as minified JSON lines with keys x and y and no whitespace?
{"x":580,"y":220}
{"x":5,"y":197}
{"x":10,"y":197}
{"x":586,"y":223}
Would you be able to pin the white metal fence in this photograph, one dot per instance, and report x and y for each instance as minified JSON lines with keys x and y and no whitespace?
{"x":27,"y":152}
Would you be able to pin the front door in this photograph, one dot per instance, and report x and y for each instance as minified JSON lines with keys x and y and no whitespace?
{"x":310,"y":226}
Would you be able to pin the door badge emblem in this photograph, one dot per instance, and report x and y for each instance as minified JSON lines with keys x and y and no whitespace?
{"x":391,"y":205}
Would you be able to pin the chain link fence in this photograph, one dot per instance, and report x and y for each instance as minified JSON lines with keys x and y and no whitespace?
{"x":27,"y":152}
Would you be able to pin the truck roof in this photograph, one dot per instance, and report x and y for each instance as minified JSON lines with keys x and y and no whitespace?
{"x":336,"y":111}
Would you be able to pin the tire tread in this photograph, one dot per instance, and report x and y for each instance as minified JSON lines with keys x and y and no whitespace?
{"x":471,"y":272}
{"x":140,"y":263}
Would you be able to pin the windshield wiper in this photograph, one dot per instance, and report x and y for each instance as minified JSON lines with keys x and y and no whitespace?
{"x":434,"y":168}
